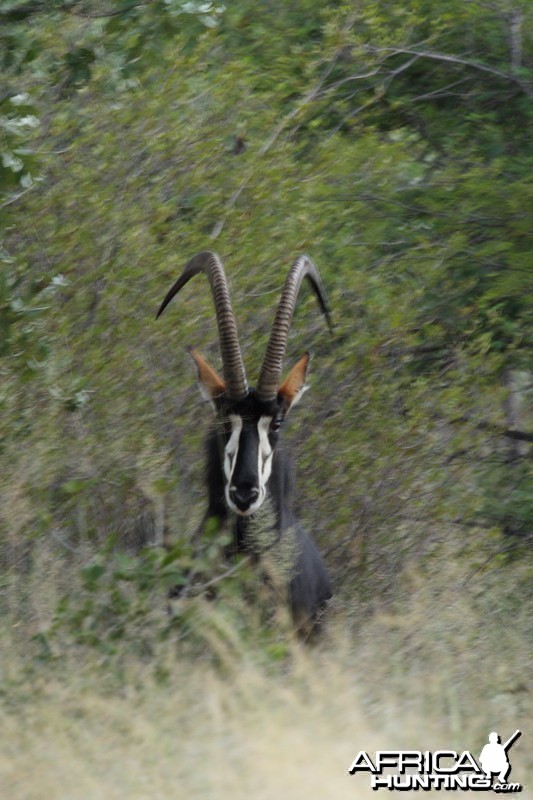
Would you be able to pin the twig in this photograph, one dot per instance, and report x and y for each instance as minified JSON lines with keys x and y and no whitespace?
{"x":196,"y":590}
{"x":492,"y":427}
{"x":15,"y":197}
{"x":464,"y":62}
{"x":492,"y":556}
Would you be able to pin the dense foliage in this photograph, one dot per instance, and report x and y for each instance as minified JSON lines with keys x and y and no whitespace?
{"x":390,"y":142}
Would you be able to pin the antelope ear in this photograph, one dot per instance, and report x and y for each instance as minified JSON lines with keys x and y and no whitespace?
{"x":210,"y":383}
{"x":294,"y":386}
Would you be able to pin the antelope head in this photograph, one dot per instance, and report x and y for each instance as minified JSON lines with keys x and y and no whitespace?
{"x":250,"y":418}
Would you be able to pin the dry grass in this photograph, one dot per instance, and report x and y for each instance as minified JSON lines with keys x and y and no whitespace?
{"x":201,"y":735}
{"x":236,"y":731}
{"x":441,"y":668}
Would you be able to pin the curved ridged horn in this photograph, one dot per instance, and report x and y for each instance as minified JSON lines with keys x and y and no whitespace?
{"x":270,"y":377}
{"x":233,"y":366}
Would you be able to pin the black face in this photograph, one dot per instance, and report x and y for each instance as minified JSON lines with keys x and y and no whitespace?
{"x":251,"y":430}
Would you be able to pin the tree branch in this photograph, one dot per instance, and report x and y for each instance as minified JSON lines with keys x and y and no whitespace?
{"x":24,"y":12}
{"x":499,"y":430}
{"x":20,"y":13}
{"x":464,"y":62}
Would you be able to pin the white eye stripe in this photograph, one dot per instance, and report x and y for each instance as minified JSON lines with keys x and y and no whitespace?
{"x":230,"y":451}
{"x":236,"y":428}
{"x":263,"y":426}
{"x":264,"y":458}
{"x":267,"y":469}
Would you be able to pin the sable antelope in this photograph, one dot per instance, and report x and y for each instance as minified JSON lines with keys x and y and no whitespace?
{"x":249,"y":476}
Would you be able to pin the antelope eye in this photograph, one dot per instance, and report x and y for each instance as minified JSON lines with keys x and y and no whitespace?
{"x":275,"y":425}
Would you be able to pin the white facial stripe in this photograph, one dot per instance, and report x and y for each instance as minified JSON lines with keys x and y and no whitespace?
{"x":264,"y":466}
{"x":264,"y":460}
{"x":232,"y":447}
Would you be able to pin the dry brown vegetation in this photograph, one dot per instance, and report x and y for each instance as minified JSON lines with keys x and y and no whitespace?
{"x":233,"y":722}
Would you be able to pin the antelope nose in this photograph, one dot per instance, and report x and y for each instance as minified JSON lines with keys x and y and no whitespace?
{"x":244,"y":495}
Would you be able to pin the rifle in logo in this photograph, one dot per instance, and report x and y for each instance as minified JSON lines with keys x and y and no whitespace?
{"x":493,"y":757}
